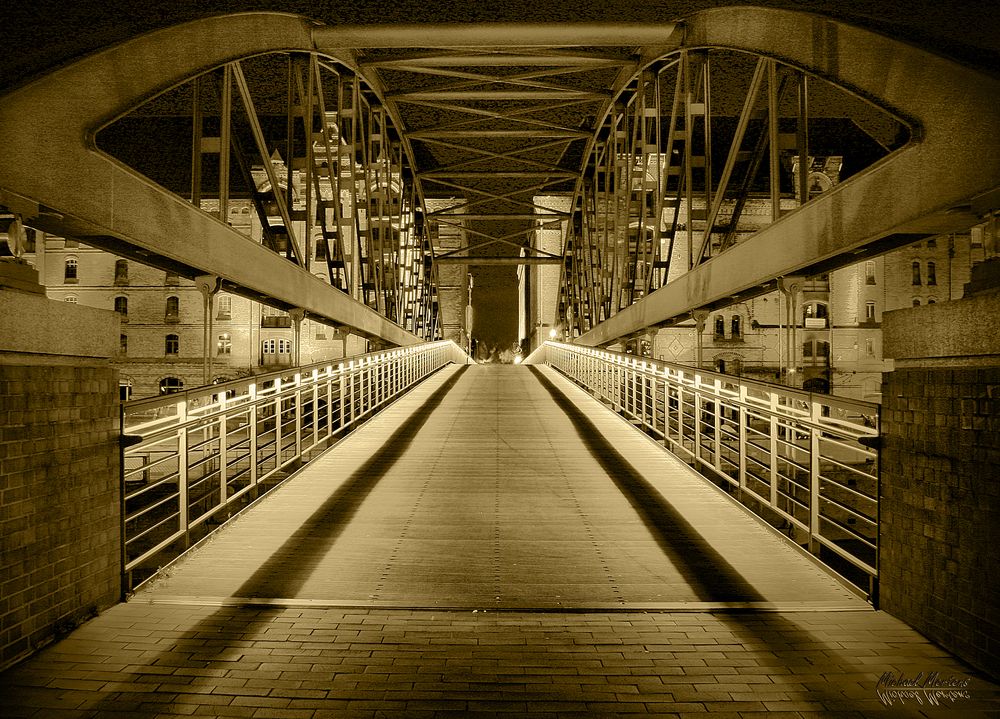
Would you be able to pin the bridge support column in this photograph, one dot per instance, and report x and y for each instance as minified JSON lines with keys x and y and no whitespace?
{"x":60,"y":466}
{"x":209,"y":286}
{"x":700,"y":316}
{"x":940,"y":487}
{"x":297,"y":314}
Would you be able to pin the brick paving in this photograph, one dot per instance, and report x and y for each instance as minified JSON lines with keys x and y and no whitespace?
{"x":575,"y":597}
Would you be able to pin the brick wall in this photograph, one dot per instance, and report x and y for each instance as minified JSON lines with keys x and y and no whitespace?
{"x":940,"y":507}
{"x":59,"y":493}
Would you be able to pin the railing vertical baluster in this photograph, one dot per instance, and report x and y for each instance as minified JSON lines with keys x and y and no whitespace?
{"x":343,"y":395}
{"x":743,"y":419}
{"x":252,"y":436}
{"x":182,"y":467}
{"x":297,"y":379}
{"x":814,"y":474}
{"x":717,"y":424}
{"x":223,"y":449}
{"x":774,"y":429}
{"x":315,"y":423}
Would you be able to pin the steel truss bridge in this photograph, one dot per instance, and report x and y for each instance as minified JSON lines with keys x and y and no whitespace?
{"x":381,"y":161}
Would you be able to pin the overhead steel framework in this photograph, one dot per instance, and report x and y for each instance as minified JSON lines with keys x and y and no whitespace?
{"x":660,"y":137}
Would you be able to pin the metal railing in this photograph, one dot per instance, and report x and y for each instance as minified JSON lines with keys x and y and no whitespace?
{"x":807,"y":463}
{"x":198,"y":456}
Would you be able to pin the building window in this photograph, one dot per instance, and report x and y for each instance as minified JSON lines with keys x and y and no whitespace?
{"x":916,"y":272}
{"x":932,"y":301}
{"x":870,"y":347}
{"x":320,"y":332}
{"x":225,"y":311}
{"x":321,"y":248}
{"x":916,"y":301}
{"x":172,"y":346}
{"x":123,"y":344}
{"x":121,"y":307}
{"x":225,"y":344}
{"x":171,"y":278}
{"x":284,"y":347}
{"x":125,"y":390}
{"x":121,"y":272}
{"x":822,"y":349}
{"x":169,"y":385}
{"x":70,"y":273}
{"x":869,"y":311}
{"x":870,"y":272}
{"x":267,"y":347}
{"x":720,"y":327}
{"x":72,"y":299}
{"x":814,"y":315}
{"x":173,"y":309}
{"x":931,"y":273}
{"x":735,"y":326}
{"x":807,"y":348}
{"x":932,"y":242}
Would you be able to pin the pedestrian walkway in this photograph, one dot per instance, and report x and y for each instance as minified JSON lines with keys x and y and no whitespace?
{"x":495,"y":543}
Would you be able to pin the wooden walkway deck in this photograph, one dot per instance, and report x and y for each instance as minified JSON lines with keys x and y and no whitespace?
{"x":497,"y":486}
{"x":402,"y":574}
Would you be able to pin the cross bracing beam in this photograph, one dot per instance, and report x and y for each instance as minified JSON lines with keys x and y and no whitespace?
{"x":501,"y":36}
{"x":926,"y":188}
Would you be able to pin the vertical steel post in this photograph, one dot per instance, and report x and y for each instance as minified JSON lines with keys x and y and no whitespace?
{"x":182,"y":469}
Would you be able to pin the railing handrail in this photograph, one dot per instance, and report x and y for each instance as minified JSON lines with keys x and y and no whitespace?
{"x":783,"y":452}
{"x":206,"y":459}
{"x":804,"y":395}
{"x":223,"y":387}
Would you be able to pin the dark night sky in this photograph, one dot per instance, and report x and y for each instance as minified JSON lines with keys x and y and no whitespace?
{"x":494,"y":302}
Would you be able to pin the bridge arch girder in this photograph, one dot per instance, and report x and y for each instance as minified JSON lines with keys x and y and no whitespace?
{"x":934,"y":184}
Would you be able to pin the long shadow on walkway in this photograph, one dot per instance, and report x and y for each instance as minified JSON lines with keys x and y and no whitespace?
{"x":708,"y":573}
{"x":290,"y":566}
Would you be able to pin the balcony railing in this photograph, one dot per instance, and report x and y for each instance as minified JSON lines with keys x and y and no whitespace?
{"x":206,"y":453}
{"x":806,"y":463}
{"x":275,"y":321}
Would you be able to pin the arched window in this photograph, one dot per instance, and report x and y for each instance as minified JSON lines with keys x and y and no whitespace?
{"x":173,"y":309}
{"x":169,"y":385}
{"x":916,"y":301}
{"x":814,"y":315}
{"x":735,"y":327}
{"x":916,"y":272}
{"x":225,"y":344}
{"x":121,"y":272}
{"x":72,"y":299}
{"x":931,"y":273}
{"x":70,"y":273}
{"x":932,"y":301}
{"x":267,"y":347}
{"x":121,"y":307}
{"x":720,"y":326}
{"x":284,"y":347}
{"x":225,"y":304}
{"x":172,"y":346}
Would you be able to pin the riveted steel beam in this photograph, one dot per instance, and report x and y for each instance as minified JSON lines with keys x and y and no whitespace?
{"x":498,"y":35}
